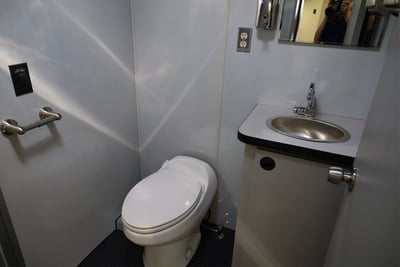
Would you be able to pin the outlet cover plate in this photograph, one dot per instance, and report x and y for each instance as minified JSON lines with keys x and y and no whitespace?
{"x":244,"y":40}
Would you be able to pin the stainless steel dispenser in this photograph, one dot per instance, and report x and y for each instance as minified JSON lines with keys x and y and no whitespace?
{"x":267,"y":11}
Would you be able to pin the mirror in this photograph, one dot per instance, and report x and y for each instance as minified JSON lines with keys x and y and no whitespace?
{"x":348,"y":23}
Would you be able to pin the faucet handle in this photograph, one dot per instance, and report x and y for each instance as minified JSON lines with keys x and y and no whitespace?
{"x":308,"y":111}
{"x":311,"y":91}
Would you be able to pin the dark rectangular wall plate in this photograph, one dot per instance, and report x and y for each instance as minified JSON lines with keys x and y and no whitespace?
{"x":21,"y":79}
{"x":244,"y":40}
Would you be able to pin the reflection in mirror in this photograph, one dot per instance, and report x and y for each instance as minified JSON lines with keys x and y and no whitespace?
{"x":356,"y":23}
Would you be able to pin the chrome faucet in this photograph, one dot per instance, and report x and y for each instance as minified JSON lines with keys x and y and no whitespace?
{"x":310,"y":110}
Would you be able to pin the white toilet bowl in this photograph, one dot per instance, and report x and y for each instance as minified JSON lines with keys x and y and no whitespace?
{"x":163,"y":211}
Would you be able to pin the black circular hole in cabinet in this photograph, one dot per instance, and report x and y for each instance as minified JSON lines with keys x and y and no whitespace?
{"x":267,"y":163}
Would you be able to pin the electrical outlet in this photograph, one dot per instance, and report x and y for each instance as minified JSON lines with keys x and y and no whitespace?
{"x":244,"y":40}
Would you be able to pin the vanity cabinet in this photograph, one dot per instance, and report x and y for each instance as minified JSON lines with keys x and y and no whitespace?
{"x":287,"y":211}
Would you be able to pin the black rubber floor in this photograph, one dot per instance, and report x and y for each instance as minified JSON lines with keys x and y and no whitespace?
{"x":117,"y":250}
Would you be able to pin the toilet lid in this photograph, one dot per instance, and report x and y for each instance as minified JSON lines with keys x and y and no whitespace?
{"x":160,"y":201}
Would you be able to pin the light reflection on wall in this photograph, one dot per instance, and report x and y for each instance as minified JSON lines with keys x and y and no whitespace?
{"x":12,"y":51}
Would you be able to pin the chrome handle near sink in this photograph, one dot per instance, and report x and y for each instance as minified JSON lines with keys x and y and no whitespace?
{"x":336,"y":175}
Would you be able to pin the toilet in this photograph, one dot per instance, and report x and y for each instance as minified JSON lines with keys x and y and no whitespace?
{"x":163,"y":211}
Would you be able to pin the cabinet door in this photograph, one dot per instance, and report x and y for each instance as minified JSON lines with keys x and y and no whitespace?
{"x":286,"y":214}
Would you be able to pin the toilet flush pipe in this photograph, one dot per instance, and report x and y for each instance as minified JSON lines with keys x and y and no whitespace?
{"x":212,"y":227}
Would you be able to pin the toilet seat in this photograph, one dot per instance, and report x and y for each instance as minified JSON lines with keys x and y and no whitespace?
{"x":168,"y":192}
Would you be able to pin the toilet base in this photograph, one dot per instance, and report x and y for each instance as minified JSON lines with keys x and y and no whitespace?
{"x":175,"y":254}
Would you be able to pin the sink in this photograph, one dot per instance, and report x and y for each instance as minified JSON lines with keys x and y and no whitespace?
{"x":308,"y":129}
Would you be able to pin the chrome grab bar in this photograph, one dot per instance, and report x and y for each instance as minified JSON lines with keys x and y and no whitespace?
{"x":46,"y":115}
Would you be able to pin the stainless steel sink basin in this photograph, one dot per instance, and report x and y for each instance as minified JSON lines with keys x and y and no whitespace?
{"x":308,"y":129}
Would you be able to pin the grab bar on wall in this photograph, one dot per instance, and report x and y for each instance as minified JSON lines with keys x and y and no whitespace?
{"x":46,"y":115}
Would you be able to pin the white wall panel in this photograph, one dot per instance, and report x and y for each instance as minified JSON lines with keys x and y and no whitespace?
{"x":179,"y":57}
{"x":64,"y":185}
{"x":367,"y":231}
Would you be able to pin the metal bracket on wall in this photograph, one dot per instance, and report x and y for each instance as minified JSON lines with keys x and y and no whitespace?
{"x":46,"y":115}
